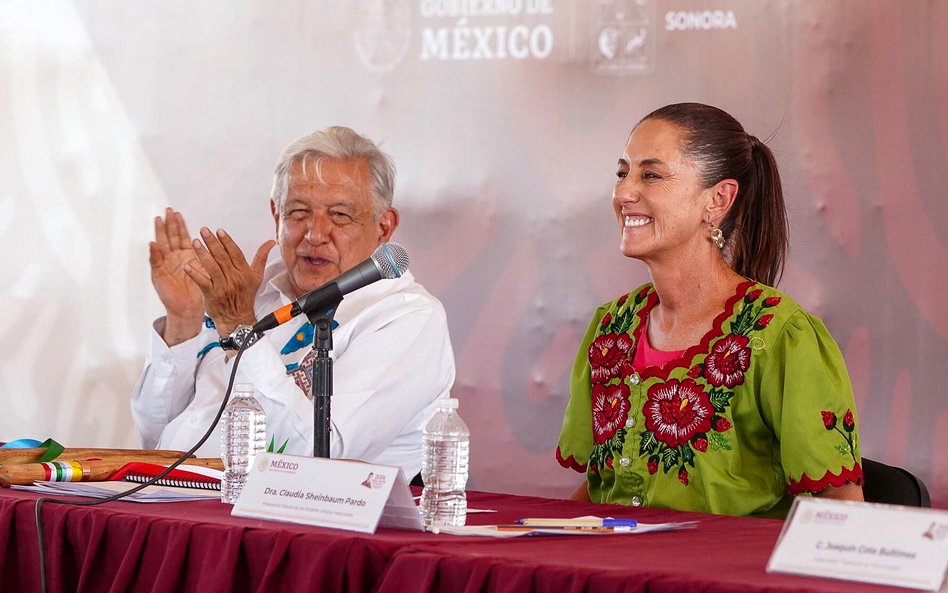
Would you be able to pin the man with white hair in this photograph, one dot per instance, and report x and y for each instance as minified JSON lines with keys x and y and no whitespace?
{"x":332,"y":207}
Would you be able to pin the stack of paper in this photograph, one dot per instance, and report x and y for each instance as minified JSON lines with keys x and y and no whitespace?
{"x":106,"y":489}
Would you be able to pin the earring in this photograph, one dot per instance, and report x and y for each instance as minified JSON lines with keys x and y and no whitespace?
{"x":716,"y":236}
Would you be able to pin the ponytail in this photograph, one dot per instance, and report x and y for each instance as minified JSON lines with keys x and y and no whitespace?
{"x":758,"y":220}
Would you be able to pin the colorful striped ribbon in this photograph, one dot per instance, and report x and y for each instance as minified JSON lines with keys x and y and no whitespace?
{"x":65,"y":471}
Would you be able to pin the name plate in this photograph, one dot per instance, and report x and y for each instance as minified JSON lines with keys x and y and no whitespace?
{"x":871,"y":543}
{"x":327,"y":493}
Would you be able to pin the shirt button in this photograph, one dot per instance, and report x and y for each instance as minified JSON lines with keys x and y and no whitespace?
{"x":630,"y":422}
{"x":624,"y":462}
{"x":636,"y":501}
{"x":635,"y":379}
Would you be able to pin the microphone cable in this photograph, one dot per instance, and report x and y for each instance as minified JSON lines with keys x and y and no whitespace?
{"x":88,"y":503}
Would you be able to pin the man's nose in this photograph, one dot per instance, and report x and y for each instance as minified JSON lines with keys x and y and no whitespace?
{"x":318,"y":229}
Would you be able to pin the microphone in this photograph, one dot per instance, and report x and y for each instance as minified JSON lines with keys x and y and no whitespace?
{"x":390,"y":260}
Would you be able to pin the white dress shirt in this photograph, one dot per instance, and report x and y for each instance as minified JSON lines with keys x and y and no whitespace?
{"x":392,"y":360}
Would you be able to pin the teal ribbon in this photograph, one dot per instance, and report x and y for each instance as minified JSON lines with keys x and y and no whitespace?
{"x":53,"y":449}
{"x":21,"y":444}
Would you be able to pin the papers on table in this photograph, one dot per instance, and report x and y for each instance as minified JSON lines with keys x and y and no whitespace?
{"x":106,"y":489}
{"x":589,"y":525}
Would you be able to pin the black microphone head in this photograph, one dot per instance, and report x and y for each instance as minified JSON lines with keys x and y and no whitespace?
{"x":391,"y":260}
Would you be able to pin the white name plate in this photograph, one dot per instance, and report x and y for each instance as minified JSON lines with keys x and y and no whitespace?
{"x":327,"y":493}
{"x":857,"y":541}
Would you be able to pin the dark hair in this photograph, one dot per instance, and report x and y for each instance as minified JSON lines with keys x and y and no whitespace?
{"x":756,"y":226}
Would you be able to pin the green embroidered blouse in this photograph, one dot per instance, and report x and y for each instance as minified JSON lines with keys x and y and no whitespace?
{"x":760,"y":410}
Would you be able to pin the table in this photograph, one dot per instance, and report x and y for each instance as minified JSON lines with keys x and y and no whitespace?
{"x":200,"y":547}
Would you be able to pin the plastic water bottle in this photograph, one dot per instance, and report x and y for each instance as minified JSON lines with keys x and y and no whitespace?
{"x":445,"y":445}
{"x":244,"y":434}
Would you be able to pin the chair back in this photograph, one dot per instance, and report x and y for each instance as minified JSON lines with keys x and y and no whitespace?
{"x":893,"y":485}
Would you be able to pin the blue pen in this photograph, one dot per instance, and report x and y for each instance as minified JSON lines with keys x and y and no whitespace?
{"x":619,"y":522}
{"x":579,"y":522}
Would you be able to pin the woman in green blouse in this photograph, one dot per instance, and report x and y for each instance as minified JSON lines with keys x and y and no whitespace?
{"x":706,"y":389}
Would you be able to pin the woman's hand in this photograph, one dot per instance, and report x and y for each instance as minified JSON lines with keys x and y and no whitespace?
{"x":582,"y":493}
{"x":847,"y":491}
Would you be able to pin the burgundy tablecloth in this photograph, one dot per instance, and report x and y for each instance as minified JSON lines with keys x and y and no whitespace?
{"x":198,"y":546}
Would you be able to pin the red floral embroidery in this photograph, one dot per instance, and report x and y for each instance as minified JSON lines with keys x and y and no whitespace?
{"x":683,"y":476}
{"x":849,"y":423}
{"x":683,"y":419}
{"x":610,"y":410}
{"x":675,"y":411}
{"x":830,"y":421}
{"x":652,"y":466}
{"x":729,"y":359}
{"x":628,"y":369}
{"x":606,"y":355}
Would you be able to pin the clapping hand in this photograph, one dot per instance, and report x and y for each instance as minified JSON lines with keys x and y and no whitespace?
{"x":226,"y":280}
{"x":169,"y":254}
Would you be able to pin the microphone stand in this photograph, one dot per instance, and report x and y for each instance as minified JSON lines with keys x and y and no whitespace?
{"x":322,"y":375}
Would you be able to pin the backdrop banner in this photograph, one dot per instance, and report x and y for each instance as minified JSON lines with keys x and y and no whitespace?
{"x":505,"y":119}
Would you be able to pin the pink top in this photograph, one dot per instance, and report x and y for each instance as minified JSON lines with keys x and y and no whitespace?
{"x":646,"y":356}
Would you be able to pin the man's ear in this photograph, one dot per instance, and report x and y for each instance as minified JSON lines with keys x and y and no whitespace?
{"x":276,"y":218}
{"x":722,"y":199}
{"x":387,"y":224}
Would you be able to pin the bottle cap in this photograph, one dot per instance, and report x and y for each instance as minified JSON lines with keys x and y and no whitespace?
{"x":448,"y":402}
{"x":243,"y":388}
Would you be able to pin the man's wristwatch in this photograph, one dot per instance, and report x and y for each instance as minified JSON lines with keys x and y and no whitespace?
{"x":242,"y":337}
